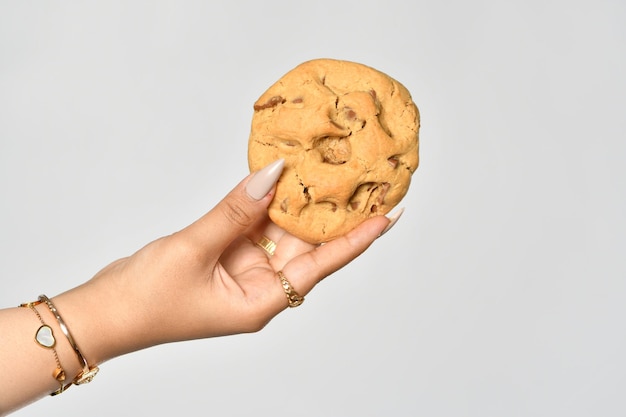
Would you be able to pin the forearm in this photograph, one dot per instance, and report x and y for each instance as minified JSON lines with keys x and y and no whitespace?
{"x":92,"y":317}
{"x":28,"y":368}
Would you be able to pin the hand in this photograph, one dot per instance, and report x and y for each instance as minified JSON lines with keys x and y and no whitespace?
{"x":209,"y":279}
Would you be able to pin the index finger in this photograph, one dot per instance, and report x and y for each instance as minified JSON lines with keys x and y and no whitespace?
{"x":306,"y":270}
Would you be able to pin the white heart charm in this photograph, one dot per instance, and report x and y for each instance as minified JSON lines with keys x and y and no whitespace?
{"x":45,"y":337}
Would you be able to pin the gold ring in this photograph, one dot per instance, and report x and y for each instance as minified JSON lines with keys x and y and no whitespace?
{"x":267,"y":244}
{"x":293,"y":297}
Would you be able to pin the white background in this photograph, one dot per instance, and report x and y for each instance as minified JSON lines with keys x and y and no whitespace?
{"x":500,"y":292}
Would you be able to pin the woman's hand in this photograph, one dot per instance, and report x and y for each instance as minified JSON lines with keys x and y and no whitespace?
{"x":209,"y":279}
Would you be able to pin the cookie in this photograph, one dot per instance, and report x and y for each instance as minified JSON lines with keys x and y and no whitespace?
{"x":349,"y":137}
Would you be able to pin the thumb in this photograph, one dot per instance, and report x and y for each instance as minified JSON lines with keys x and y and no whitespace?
{"x":237,"y":211}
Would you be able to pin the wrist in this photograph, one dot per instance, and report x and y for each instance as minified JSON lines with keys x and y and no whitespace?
{"x":103,"y":319}
{"x":88,"y":371}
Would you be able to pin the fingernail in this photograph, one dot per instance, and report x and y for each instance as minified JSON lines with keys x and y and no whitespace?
{"x":392,"y":221}
{"x":262,"y":181}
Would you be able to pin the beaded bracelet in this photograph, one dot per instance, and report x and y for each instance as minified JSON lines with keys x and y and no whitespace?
{"x":45,"y":338}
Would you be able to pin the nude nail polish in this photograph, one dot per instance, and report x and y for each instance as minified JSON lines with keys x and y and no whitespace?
{"x":392,"y":221}
{"x":263,"y":180}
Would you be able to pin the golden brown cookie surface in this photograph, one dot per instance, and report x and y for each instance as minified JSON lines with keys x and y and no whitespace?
{"x":349,"y":137}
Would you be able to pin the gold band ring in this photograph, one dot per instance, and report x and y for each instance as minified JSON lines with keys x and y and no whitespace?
{"x":293,"y":297}
{"x":267,"y":244}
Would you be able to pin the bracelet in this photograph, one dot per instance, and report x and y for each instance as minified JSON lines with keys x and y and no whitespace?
{"x":88,"y":373}
{"x":45,"y":338}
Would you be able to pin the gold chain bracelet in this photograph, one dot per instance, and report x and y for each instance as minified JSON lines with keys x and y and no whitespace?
{"x":44,"y":337}
{"x":89,"y":372}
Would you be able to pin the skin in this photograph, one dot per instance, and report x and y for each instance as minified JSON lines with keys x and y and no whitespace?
{"x":206,"y":280}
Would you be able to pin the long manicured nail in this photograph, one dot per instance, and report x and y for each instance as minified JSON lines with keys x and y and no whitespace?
{"x":262,"y":182}
{"x":392,"y":221}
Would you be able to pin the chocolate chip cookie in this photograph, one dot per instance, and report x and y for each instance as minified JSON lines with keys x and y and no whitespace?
{"x":349,"y":137}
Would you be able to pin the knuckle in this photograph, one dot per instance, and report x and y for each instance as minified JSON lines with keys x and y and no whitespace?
{"x":234,"y":213}
{"x":257,"y":314}
{"x":186,"y":248}
{"x":255,"y":326}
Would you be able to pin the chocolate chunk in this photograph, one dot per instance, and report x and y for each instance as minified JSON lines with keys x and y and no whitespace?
{"x":272,"y":102}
